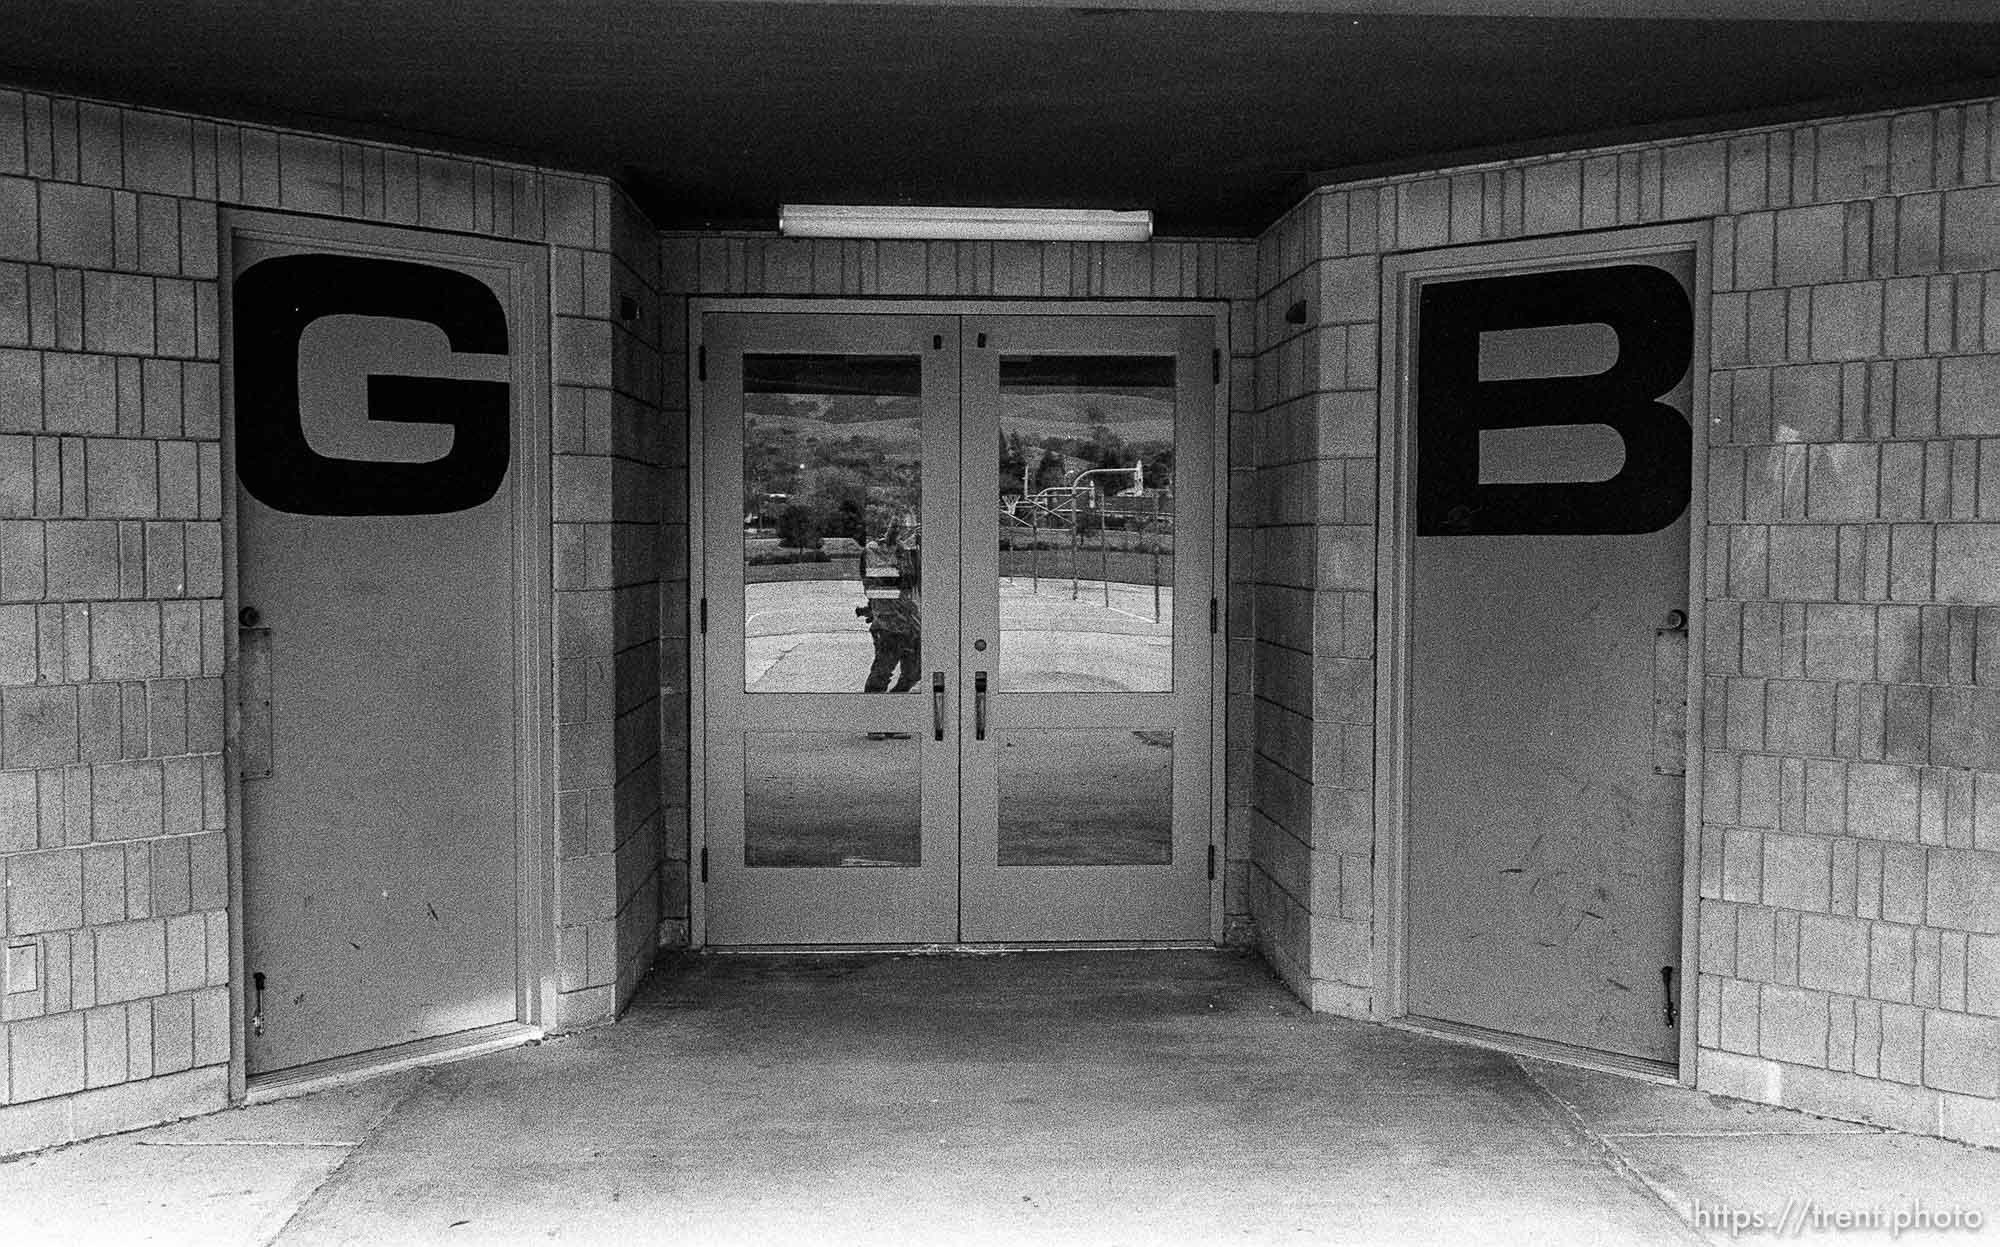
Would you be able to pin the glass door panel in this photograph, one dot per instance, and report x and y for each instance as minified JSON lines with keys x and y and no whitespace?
{"x":832,"y":469}
{"x":830,"y":799}
{"x":1086,"y":523}
{"x":1086,"y":797}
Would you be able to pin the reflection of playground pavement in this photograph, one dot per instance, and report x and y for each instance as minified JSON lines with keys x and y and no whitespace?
{"x":1068,"y":797}
{"x":1086,"y":798}
{"x":829,"y":799}
{"x":802,"y":636}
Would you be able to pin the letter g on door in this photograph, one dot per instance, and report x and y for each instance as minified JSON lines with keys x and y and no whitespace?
{"x":276,"y":299}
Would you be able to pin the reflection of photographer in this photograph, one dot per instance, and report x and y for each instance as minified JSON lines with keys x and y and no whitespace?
{"x":892,"y":580}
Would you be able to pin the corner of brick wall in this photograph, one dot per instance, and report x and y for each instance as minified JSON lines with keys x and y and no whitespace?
{"x":609,"y":451}
{"x":1849,"y":922}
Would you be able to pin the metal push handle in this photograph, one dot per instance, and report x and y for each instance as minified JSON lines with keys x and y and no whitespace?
{"x":979,"y":705}
{"x":937,"y":705}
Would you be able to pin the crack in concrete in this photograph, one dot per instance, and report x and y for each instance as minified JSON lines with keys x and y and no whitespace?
{"x":317,"y":1195}
{"x":1731,"y":1134}
{"x":1620,"y":1163}
{"x":305,"y":1143}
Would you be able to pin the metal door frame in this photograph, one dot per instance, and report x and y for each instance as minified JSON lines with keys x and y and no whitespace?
{"x":699,"y":308}
{"x":531,"y":355}
{"x":1395,"y":557}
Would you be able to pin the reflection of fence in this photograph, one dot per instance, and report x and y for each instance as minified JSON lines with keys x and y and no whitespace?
{"x":1083,"y":506}
{"x":1141,"y":556}
{"x":1141,"y":552}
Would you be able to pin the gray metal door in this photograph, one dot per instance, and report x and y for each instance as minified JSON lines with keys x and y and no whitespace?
{"x":1085,"y":738}
{"x":1546,"y":653}
{"x":830,"y":775}
{"x":375,"y":400}
{"x":959,"y":661}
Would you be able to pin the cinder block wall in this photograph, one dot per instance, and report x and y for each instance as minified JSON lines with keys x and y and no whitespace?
{"x":1313,"y":599}
{"x":609,"y":443}
{"x":114,"y":1006}
{"x":722,"y":264}
{"x":1849,"y":924}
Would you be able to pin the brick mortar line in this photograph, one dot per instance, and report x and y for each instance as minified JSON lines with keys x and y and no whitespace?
{"x":1619,"y":1163}
{"x":374,"y":1128}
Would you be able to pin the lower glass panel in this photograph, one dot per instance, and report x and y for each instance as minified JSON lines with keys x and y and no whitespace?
{"x":831,"y":799}
{"x":1086,"y":797}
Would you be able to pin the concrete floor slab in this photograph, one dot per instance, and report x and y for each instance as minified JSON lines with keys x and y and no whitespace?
{"x":127,"y":1190}
{"x":1798,"y":1186}
{"x":1100,"y":1098}
{"x":1087,"y":1098}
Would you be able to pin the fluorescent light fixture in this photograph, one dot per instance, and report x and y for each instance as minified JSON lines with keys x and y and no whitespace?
{"x":1031,"y":224}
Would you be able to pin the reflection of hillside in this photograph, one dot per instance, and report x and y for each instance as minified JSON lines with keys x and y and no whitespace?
{"x":850,"y":413}
{"x":1034,"y":417}
{"x":1135,"y":418}
{"x":861,"y":426}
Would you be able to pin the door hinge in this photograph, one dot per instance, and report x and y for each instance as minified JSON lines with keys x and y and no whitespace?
{"x":1215,"y":365}
{"x":1211,"y":862}
{"x":701,"y":363}
{"x":1214,"y":616}
{"x":704,"y":863}
{"x":701,"y":617}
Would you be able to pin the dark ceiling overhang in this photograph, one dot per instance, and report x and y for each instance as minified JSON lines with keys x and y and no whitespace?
{"x":1216,"y":116}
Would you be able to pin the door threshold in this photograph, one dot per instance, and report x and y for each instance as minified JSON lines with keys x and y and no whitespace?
{"x":1666,"y":1073}
{"x":341,"y":1070}
{"x":995,"y":949}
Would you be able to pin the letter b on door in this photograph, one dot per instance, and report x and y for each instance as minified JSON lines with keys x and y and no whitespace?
{"x":274,"y":302}
{"x":1649,"y":313}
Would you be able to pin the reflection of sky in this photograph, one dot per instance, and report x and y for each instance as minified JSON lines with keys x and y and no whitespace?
{"x":1058,"y":636}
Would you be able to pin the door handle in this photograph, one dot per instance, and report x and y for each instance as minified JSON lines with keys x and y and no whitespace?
{"x":937,"y":705}
{"x":254,"y":737}
{"x":1670,"y":695}
{"x":979,"y":705}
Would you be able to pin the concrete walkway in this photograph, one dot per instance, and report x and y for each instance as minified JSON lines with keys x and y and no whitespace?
{"x":1133,"y":1098}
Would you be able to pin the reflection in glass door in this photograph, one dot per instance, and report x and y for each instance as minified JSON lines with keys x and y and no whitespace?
{"x":959,"y":655}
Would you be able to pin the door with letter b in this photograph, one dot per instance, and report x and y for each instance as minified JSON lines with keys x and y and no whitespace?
{"x":1549,"y":472}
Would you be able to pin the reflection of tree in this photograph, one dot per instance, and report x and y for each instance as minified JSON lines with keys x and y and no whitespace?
{"x":1013,"y":462}
{"x":1055,"y":460}
{"x":836,"y":497}
{"x":833,"y":480}
{"x":796,"y":530}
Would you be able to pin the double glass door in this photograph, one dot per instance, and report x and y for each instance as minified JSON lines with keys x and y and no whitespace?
{"x":958,"y":577}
